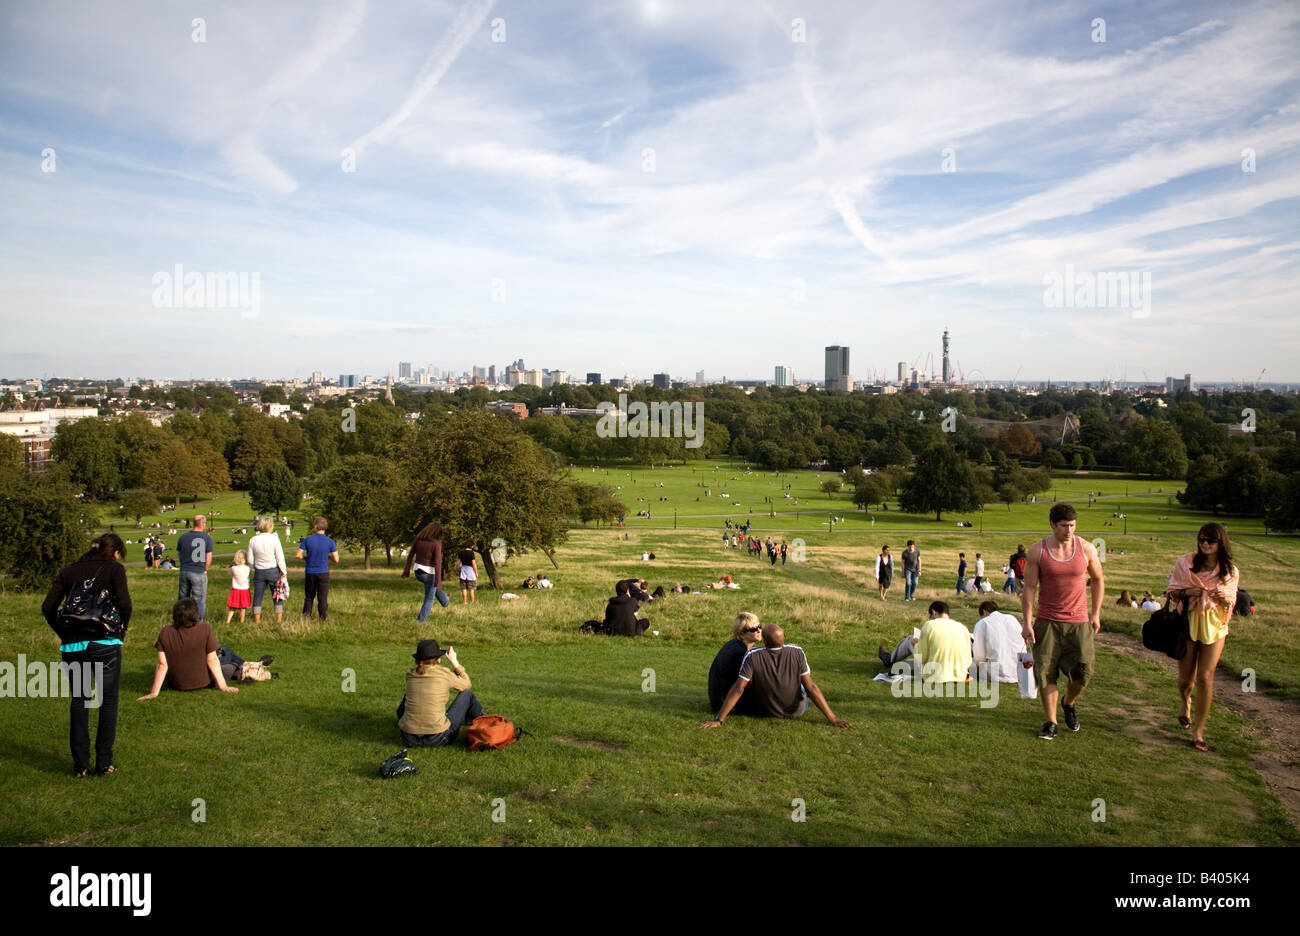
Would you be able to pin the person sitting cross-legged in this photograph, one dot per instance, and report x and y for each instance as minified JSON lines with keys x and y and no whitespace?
{"x":781,"y":683}
{"x":620,"y":614}
{"x":997,"y":641}
{"x":942,"y":651}
{"x":424,"y":718}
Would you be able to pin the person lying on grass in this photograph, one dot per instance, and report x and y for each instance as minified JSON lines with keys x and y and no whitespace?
{"x":778,"y":675}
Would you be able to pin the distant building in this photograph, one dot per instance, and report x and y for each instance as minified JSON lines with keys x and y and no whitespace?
{"x":35,"y":430}
{"x":348,"y":381}
{"x":403,"y":370}
{"x":492,"y":373}
{"x":557,"y":378}
{"x":616,"y":382}
{"x":784,"y":376}
{"x":317,"y":378}
{"x":902,"y":372}
{"x":480,"y":374}
{"x":593,"y":377}
{"x":505,"y":406}
{"x":837,"y":368}
{"x":699,"y":378}
{"x":1174,"y":384}
{"x":532,"y":378}
{"x":662,"y":380}
{"x":514,"y":376}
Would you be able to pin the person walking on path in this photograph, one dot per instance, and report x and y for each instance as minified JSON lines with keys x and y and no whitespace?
{"x":911,"y":570}
{"x":266,"y":556}
{"x":91,"y":647}
{"x":319,"y":551}
{"x":425,"y":556}
{"x":195,"y":551}
{"x":884,"y":571}
{"x":1056,"y":572}
{"x":1205,"y":583}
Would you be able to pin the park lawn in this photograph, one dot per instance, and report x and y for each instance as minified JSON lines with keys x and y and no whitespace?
{"x":295,"y":761}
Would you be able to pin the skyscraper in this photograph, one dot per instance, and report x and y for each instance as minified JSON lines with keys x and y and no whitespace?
{"x":699,"y":378}
{"x":492,"y":373}
{"x":837,"y":368}
{"x":902,"y":372}
{"x":403,"y":370}
{"x":662,"y":380}
{"x":784,"y":377}
{"x":593,"y":377}
{"x":946,"y":372}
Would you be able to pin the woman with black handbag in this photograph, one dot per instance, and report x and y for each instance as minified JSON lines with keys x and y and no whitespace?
{"x":91,"y":624}
{"x":1205,"y":583}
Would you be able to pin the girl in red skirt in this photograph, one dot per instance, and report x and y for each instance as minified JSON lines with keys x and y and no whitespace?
{"x":241,"y":599}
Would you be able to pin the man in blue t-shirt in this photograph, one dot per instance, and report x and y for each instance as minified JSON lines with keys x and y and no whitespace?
{"x":318,"y":549}
{"x":195,"y":553}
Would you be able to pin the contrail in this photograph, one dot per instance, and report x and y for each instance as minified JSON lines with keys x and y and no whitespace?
{"x":467,"y":22}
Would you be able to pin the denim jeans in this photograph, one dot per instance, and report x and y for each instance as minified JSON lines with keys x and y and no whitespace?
{"x":431,"y":591}
{"x":194,"y":585}
{"x":1009,"y":586}
{"x":466,"y":708}
{"x":262,"y":579}
{"x":79,"y":734}
{"x":909,"y":583}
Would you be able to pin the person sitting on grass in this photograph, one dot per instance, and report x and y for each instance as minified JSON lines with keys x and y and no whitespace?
{"x":620,"y":614}
{"x":1126,"y":600}
{"x":778,"y":675}
{"x":745,"y":631}
{"x":942,"y":650}
{"x":543,"y":582}
{"x":190,"y":657}
{"x":637,"y":588}
{"x":997,"y":641}
{"x":423,"y":718}
{"x":1149,"y":602}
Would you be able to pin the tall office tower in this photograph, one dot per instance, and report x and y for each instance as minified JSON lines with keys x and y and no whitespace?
{"x":403,"y":370}
{"x":317,"y":377}
{"x":663,"y":380}
{"x":946,"y":372}
{"x":902,"y":372}
{"x":1187,"y":383}
{"x":492,"y":373}
{"x":347,"y":380}
{"x":784,"y":377}
{"x":699,"y":378}
{"x":480,"y":373}
{"x":837,"y":368}
{"x":514,"y":376}
{"x":532,"y":377}
{"x":593,"y":377}
{"x":558,"y":377}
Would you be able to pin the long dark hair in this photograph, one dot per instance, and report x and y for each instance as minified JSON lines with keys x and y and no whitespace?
{"x":1219,"y":532}
{"x":104,"y":546}
{"x":430,"y":531}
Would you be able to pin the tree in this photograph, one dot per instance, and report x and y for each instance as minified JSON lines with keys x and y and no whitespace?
{"x":1284,"y":511}
{"x":1155,"y":448}
{"x":942,"y":480}
{"x":139,"y":503}
{"x":272,"y":488}
{"x":484,"y":479}
{"x":186,"y":469}
{"x":366,"y":502}
{"x":255,"y":446}
{"x":831,"y":486}
{"x":88,"y":453}
{"x":872,"y":489}
{"x":274,"y":394}
{"x":597,"y":502}
{"x":12,"y":461}
{"x":46,"y":528}
{"x":1019,"y":441}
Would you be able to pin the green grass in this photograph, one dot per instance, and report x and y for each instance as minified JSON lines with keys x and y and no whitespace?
{"x":295,"y":761}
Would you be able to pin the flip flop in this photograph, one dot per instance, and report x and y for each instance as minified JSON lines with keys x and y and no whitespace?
{"x":1200,"y":745}
{"x":1184,"y":721}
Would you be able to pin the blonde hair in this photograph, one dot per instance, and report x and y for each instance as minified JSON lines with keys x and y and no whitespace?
{"x":265,"y":524}
{"x":743,"y":619}
{"x":240,"y":558}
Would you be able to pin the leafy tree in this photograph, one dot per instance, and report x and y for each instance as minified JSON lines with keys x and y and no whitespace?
{"x":274,"y":394}
{"x":186,"y":469}
{"x":872,"y":489}
{"x":942,"y":480}
{"x":46,"y":527}
{"x":1055,"y":460}
{"x":831,"y":486}
{"x":255,"y":447}
{"x":139,"y":503}
{"x":364,"y":497}
{"x":1284,"y":511}
{"x":597,"y":502}
{"x":483,"y":478}
{"x":88,"y":453}
{"x":273,"y":487}
{"x":13,"y":464}
{"x":140,"y":441}
{"x":1155,"y":448}
{"x":1019,"y":442}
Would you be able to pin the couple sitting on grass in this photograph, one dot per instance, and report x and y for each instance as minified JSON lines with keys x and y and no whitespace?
{"x":190,"y":657}
{"x":768,"y":681}
{"x":945,"y":651}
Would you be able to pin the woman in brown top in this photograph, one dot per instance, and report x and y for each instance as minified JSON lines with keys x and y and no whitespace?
{"x":426,"y":556}
{"x":187,"y":654}
{"x":424,"y":718}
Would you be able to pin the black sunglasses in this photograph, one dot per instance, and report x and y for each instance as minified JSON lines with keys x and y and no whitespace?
{"x":1205,"y":539}
{"x":750,"y":630}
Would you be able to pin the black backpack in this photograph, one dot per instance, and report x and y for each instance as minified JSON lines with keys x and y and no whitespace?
{"x":1167,"y":631}
{"x":397,"y":764}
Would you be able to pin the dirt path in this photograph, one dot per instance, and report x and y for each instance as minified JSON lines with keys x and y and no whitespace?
{"x":1273,"y":723}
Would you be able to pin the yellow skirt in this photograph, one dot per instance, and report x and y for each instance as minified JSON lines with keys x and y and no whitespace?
{"x":1208,"y":626}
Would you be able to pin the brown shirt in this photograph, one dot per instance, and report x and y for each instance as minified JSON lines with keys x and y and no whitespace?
{"x":426,"y":698}
{"x":187,"y":650}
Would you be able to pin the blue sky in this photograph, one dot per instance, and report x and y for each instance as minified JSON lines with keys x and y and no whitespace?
{"x":650,"y":185}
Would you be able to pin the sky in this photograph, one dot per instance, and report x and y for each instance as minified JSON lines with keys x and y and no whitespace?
{"x":638,"y":186}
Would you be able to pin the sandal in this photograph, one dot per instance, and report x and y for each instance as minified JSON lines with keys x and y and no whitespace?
{"x":80,"y":773}
{"x":107,"y":770}
{"x":1200,"y":745}
{"x":1184,"y":721}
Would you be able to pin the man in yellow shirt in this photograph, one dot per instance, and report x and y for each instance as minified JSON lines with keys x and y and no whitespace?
{"x":942,"y":651}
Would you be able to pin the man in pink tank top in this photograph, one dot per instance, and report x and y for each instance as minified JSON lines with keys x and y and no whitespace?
{"x":1056,"y":572}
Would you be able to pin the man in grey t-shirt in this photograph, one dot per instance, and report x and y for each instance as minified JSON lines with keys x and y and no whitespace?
{"x":911,"y":570}
{"x":781,"y":683}
{"x":195,"y":553}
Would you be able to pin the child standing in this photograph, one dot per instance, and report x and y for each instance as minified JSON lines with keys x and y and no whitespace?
{"x":468,"y":574}
{"x":241,"y":598}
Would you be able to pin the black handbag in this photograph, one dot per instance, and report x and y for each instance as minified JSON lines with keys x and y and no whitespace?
{"x":89,"y":613}
{"x":1167,"y":631}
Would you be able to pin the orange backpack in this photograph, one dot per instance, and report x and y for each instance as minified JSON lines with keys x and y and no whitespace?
{"x":491,"y":731}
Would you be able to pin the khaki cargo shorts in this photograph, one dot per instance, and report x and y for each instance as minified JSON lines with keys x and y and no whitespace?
{"x":1063,"y":645}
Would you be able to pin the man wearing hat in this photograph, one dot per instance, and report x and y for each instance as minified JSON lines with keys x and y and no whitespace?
{"x":423,"y":718}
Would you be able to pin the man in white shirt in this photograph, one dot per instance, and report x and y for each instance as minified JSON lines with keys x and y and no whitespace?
{"x":544,"y":582}
{"x":997,"y":641}
{"x":979,"y":572}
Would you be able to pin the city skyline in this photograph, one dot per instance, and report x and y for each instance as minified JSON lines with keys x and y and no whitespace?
{"x":1077,"y":193}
